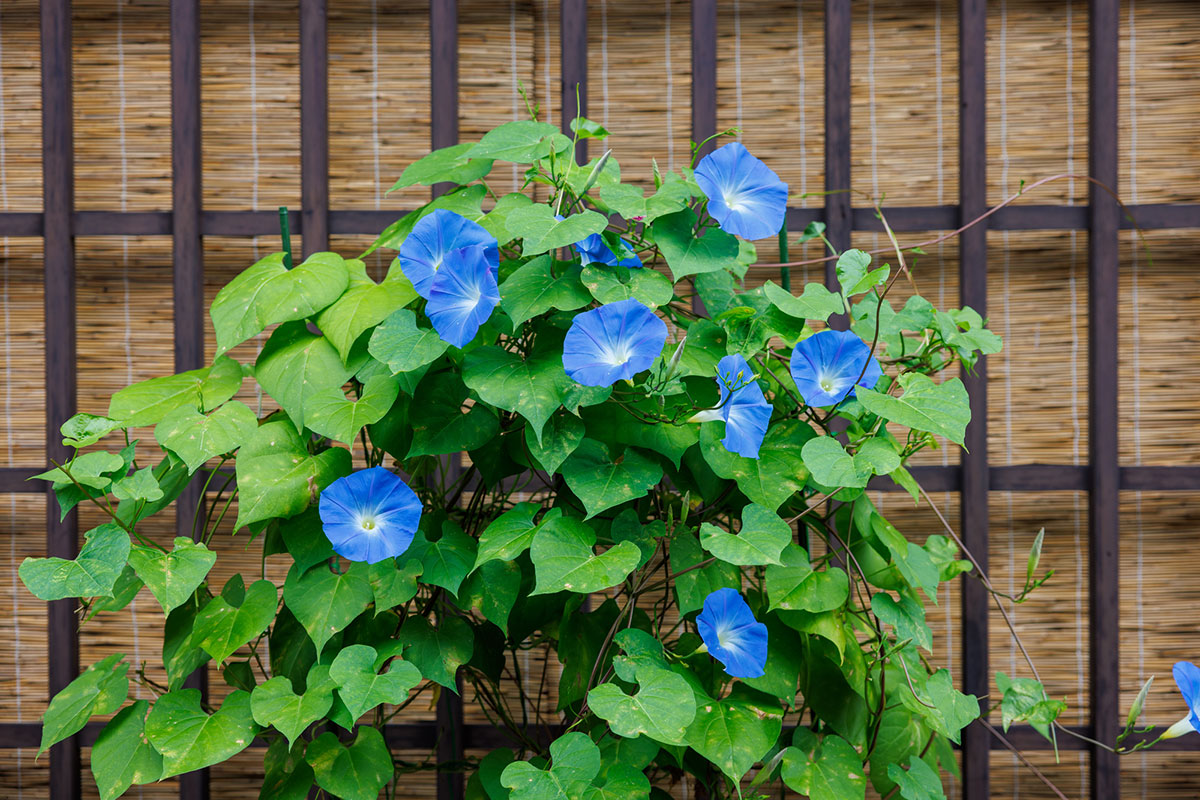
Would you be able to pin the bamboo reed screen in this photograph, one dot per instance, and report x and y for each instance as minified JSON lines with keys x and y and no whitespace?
{"x":116,"y":231}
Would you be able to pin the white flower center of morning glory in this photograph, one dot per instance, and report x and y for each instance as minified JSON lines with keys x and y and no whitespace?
{"x":369,"y":523}
{"x":728,"y":637}
{"x":617,"y":354}
{"x":734,"y":201}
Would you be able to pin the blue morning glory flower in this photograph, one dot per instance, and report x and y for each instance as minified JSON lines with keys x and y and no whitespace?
{"x":594,"y":250}
{"x":612,"y":343}
{"x":1187,"y":678}
{"x":745,"y":196}
{"x":732,"y":635}
{"x":433,"y":238}
{"x":369,"y":515}
{"x":743,"y":408}
{"x":825,"y":367}
{"x":462,"y":295}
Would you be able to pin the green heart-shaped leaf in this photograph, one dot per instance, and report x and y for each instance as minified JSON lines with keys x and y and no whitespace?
{"x":359,"y":685}
{"x":563,"y":559}
{"x":222,"y":627}
{"x":173,"y":576}
{"x":92,"y":574}
{"x":190,"y":739}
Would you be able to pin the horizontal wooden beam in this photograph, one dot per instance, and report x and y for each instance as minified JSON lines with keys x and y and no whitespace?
{"x":362,"y":222}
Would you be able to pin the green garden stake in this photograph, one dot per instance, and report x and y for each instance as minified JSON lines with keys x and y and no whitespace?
{"x":785,"y":273}
{"x":285,"y":236}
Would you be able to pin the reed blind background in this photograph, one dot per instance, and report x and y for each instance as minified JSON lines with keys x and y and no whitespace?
{"x":144,"y":145}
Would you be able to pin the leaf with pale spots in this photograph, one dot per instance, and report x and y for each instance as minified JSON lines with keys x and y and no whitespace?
{"x":196,"y":438}
{"x":563,"y":558}
{"x":190,"y":739}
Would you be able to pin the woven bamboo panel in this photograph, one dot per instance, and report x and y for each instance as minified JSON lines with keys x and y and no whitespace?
{"x":770,"y":83}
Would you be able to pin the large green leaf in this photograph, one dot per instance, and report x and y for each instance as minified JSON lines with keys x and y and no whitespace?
{"x":445,"y":165}
{"x":101,"y":689}
{"x":824,"y":769}
{"x":93,"y":573}
{"x":944,"y":708}
{"x":364,"y":305}
{"x":362,"y":687}
{"x":404,"y":346}
{"x":918,"y":782}
{"x":274,"y":703}
{"x":190,"y":739}
{"x":446,"y":560}
{"x":325,"y":601}
{"x":330,"y":413}
{"x":575,"y":763}
{"x":122,"y":756}
{"x":522,"y":141}
{"x":94,"y":470}
{"x":440,"y":426}
{"x":794,"y":586}
{"x":534,"y":387}
{"x":560,"y":438}
{"x":269,"y":292}
{"x":173,"y":576}
{"x":541,"y":232}
{"x":629,"y":201}
{"x":509,"y":535}
{"x":733,"y":734}
{"x":222,"y":626}
{"x":816,"y":302}
{"x":662,"y":708}
{"x":295,"y":365}
{"x":149,"y":402}
{"x":495,"y":221}
{"x":357,"y":772}
{"x":534,"y":289}
{"x":609,"y":284}
{"x":906,"y":616}
{"x":688,"y":254}
{"x":602,"y":482}
{"x":491,"y":591}
{"x":393,"y":585}
{"x":855,"y":275}
{"x":831,"y":465}
{"x":563,"y":558}
{"x":196,"y":438}
{"x":776,"y":474}
{"x":760,"y":541}
{"x":276,"y":476}
{"x":697,"y":583}
{"x":940,"y":408}
{"x":438,"y":652}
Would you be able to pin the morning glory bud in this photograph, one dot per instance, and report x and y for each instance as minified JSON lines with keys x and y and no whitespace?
{"x":1187,"y":678}
{"x":369,"y":515}
{"x":826,"y":367}
{"x":743,"y":408}
{"x":613,"y":342}
{"x":462,"y":295}
{"x":732,"y":635}
{"x":745,"y":196}
{"x":433,"y":238}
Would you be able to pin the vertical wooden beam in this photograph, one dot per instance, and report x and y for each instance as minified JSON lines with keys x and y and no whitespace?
{"x":704,"y":88}
{"x":314,"y":127}
{"x":58,"y":200}
{"x":188,"y":266}
{"x":443,"y":100}
{"x":573,"y":35}
{"x":1103,"y":287}
{"x":443,"y":77}
{"x":704,"y":73}
{"x":837,"y":132}
{"x":972,"y":159}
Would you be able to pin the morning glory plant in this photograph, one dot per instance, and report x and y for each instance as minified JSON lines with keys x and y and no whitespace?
{"x":745,"y":196}
{"x":613,"y":342}
{"x":732,"y":635}
{"x":524,"y":448}
{"x":743,"y":407}
{"x":462,"y":295}
{"x":369,"y":515}
{"x":434,"y":238}
{"x":829,"y":365}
